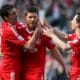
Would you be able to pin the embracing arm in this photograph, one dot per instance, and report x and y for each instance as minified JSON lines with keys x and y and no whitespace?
{"x":60,"y":43}
{"x":59,"y":33}
{"x":31,"y":42}
{"x":57,"y":55}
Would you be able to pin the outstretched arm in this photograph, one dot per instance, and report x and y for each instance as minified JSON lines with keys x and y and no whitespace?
{"x":64,"y":46}
{"x":49,"y":32}
{"x":56,"y":54}
{"x":59,"y":33}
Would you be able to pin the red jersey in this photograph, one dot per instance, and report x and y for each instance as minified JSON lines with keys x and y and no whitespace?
{"x":34,"y":61}
{"x":11,"y":43}
{"x":0,"y":36}
{"x":75,"y":44}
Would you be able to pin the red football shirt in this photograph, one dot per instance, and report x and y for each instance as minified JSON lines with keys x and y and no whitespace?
{"x":11,"y":44}
{"x":0,"y":35}
{"x":34,"y":61}
{"x":75,"y":44}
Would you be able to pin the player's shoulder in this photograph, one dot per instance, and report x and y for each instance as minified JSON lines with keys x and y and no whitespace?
{"x":20,"y":25}
{"x":8,"y":33}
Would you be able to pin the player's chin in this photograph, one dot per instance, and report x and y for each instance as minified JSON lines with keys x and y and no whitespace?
{"x":33,"y":25}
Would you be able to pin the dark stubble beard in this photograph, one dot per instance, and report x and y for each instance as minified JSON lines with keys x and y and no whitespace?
{"x":33,"y":26}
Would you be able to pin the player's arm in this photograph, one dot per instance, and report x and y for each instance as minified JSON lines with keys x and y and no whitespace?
{"x":61,"y":44}
{"x":21,"y":28}
{"x":56,"y":54}
{"x":58,"y":41}
{"x":59,"y":33}
{"x":19,"y":40}
{"x":49,"y":32}
{"x":37,"y":33}
{"x":31,"y":42}
{"x":67,"y":47}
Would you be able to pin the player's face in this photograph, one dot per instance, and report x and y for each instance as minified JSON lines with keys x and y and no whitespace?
{"x":75,"y":25}
{"x":12,"y":17}
{"x":31,"y":19}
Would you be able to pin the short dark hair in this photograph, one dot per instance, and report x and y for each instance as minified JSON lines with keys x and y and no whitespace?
{"x":31,"y":9}
{"x":4,"y":10}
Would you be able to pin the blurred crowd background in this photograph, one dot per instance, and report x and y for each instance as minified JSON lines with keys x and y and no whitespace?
{"x":58,"y":13}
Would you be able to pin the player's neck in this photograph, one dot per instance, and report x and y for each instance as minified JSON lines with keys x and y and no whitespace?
{"x":31,"y":28}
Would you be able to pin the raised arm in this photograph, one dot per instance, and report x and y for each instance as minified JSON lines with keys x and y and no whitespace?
{"x":37,"y":33}
{"x":59,"y":33}
{"x":56,"y":54}
{"x":49,"y":32}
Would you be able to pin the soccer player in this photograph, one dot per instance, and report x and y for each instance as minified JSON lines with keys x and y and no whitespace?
{"x":34,"y":61}
{"x":74,"y":44}
{"x":11,"y":44}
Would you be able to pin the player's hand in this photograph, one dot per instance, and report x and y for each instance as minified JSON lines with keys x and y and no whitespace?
{"x":48,"y":32}
{"x":39,"y":28}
